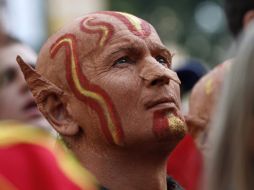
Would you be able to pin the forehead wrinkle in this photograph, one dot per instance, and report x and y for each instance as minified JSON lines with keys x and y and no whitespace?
{"x":128,"y":45}
{"x":160,"y":48}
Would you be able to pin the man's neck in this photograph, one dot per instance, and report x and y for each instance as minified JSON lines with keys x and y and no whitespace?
{"x":127,"y":170}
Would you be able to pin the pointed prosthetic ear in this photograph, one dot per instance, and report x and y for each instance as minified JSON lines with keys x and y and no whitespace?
{"x":50,"y":99}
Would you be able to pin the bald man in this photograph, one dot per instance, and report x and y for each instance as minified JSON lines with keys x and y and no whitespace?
{"x":203,"y":101}
{"x":105,"y":84}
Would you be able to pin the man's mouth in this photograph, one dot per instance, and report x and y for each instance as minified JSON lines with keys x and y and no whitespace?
{"x":162,"y":103}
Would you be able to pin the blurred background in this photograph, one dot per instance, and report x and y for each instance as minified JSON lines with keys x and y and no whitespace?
{"x":190,"y":28}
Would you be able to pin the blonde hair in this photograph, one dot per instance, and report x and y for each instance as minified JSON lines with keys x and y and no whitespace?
{"x":233,"y":127}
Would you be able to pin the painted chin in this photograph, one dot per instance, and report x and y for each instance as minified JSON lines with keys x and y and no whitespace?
{"x":167,"y":125}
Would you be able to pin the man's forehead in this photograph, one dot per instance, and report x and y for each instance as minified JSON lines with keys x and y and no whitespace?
{"x":106,"y":24}
{"x":134,"y":24}
{"x":94,"y":33}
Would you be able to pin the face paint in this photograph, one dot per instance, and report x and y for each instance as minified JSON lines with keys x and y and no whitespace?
{"x":164,"y":125}
{"x":176,"y":123}
{"x":209,"y":86}
{"x":135,"y":25}
{"x":104,"y":29}
{"x":90,"y":94}
{"x":116,"y":70}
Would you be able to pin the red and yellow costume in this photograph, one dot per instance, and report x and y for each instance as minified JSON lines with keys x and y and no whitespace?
{"x":32,"y":159}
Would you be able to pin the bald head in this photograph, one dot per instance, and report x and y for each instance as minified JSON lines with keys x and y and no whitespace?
{"x":203,"y":100}
{"x":84,"y":40}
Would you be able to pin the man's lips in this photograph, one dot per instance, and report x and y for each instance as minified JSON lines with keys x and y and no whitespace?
{"x":162,"y":103}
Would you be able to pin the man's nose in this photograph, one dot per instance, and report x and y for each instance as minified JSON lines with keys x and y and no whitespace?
{"x":156,"y":74}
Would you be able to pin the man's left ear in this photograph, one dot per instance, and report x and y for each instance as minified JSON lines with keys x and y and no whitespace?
{"x":248,"y":18}
{"x":50,"y":99}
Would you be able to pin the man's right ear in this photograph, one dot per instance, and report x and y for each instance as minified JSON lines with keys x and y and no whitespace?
{"x":50,"y":99}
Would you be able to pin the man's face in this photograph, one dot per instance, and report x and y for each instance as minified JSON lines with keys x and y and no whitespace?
{"x":124,"y":80}
{"x":16,"y":101}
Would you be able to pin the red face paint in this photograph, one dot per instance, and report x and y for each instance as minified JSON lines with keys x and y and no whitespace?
{"x":160,"y":125}
{"x":165,"y":126}
{"x":135,"y":25}
{"x":104,"y":29}
{"x":91,"y":94}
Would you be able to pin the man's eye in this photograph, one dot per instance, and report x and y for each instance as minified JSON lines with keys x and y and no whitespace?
{"x":8,"y":77}
{"x":162,"y":60}
{"x":123,"y":60}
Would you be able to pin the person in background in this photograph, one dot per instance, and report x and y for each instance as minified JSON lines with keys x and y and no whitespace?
{"x":231,"y":164}
{"x":239,"y":14}
{"x":185,"y":163}
{"x":202,"y":103}
{"x":205,"y":94}
{"x":31,"y":159}
{"x":16,"y":101}
{"x":189,"y":73}
{"x":204,"y":98}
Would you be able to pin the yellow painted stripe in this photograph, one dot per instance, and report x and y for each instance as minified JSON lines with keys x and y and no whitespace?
{"x":104,"y":36}
{"x":103,"y":29}
{"x":90,"y":94}
{"x":209,"y":86}
{"x":136,"y":22}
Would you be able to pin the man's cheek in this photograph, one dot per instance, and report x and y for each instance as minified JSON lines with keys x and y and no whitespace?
{"x":87,"y":92}
{"x":176,"y":90}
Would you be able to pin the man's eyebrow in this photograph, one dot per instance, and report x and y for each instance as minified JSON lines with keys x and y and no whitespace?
{"x":159,"y":47}
{"x":166,"y":51}
{"x":127,"y":47}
